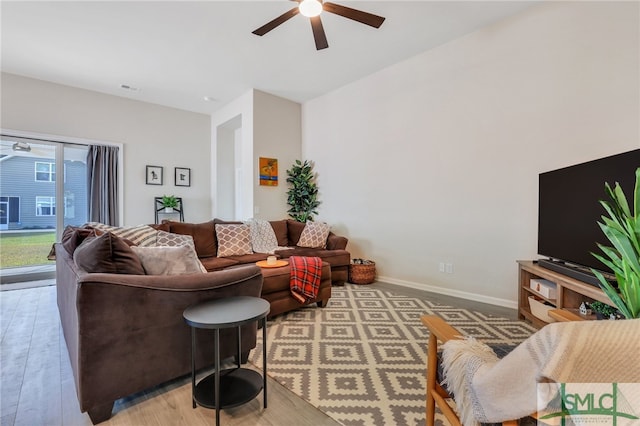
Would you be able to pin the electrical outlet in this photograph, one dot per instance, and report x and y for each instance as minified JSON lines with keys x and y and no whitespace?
{"x":441,"y":266}
{"x":449,"y":268}
{"x":256,"y":210}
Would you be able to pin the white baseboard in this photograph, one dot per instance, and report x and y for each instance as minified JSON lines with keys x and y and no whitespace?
{"x":449,"y":292}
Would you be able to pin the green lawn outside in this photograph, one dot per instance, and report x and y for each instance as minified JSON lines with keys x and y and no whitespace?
{"x":25,"y":249}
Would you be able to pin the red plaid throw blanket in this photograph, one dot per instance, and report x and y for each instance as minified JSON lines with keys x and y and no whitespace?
{"x":305,"y":277}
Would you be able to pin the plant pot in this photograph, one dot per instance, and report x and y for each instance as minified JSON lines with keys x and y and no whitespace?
{"x":168,"y":209}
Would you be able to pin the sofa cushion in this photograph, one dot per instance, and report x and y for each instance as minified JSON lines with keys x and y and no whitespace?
{"x":169,"y":239}
{"x":294,"y":230}
{"x":280,"y":229}
{"x":169,"y":260}
{"x":204,"y":236}
{"x":164,"y":226}
{"x":218,"y":263}
{"x":336,"y":242}
{"x":233,"y":240}
{"x":334,"y":257}
{"x":141,"y":235}
{"x":107,"y":254}
{"x":250,"y":258}
{"x":314,"y":235}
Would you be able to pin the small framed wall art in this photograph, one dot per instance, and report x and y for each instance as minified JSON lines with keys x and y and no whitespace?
{"x":268,"y":171}
{"x":183,"y":176}
{"x":154,"y":175}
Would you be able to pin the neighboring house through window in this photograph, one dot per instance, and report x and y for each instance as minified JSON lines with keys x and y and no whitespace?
{"x":45,"y":172}
{"x":45,"y":206}
{"x":9,"y":211}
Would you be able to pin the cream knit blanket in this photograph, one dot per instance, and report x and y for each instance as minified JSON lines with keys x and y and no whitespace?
{"x":488,"y":389}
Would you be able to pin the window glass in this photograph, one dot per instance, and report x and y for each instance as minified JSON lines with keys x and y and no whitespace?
{"x":45,"y":172}
{"x":45,"y":206}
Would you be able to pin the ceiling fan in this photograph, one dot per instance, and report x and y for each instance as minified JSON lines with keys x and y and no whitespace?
{"x":312,"y":9}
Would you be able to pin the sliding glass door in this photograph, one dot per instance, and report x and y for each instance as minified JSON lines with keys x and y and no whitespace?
{"x":43,"y":187}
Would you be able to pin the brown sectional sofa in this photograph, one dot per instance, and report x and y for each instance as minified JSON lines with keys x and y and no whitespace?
{"x":125,"y":333}
{"x":276,"y":282}
{"x":288,"y":234}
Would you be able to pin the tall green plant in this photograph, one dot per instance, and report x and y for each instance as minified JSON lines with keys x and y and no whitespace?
{"x":303,"y":191}
{"x":622,"y":228}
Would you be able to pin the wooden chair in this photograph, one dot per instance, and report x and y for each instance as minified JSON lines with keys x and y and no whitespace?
{"x":439,"y":330}
{"x":578,"y":351}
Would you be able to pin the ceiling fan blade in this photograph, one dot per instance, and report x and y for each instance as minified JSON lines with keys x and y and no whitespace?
{"x":278,"y":21}
{"x":357,"y":15}
{"x":318,"y":33}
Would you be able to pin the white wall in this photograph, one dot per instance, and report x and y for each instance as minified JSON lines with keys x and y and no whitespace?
{"x":238,"y":115}
{"x":225,"y":170}
{"x":150,"y":134}
{"x":270,"y":127}
{"x":436,"y":159}
{"x":277,"y":134}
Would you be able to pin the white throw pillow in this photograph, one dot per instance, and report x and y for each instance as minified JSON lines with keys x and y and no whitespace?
{"x":169,"y":260}
{"x":314,"y":235}
{"x":263,"y":238}
{"x":233,"y":240}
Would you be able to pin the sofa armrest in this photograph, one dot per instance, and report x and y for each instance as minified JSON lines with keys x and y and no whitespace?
{"x":186,"y":282}
{"x":335,"y":242}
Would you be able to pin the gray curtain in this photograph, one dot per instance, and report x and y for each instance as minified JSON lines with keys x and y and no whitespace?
{"x":102,"y":184}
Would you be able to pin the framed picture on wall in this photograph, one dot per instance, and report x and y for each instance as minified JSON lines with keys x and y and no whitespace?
{"x":154,"y":175}
{"x":183,"y":176}
{"x":268,"y":171}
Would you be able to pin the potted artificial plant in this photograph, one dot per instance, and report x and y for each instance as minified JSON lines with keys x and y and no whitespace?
{"x":169,"y":202}
{"x":303,"y":192}
{"x":622,"y":228}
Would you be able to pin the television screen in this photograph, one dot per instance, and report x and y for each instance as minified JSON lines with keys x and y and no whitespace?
{"x":569,"y":208}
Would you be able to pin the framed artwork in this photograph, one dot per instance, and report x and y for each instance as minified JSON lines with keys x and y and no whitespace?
{"x":183,"y":176}
{"x":268,"y":171}
{"x":154,"y":175}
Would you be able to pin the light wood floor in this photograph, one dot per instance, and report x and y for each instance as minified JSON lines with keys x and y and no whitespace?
{"x":37,"y":386}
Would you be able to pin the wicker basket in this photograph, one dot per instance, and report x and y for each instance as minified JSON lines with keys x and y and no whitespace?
{"x":362,"y":273}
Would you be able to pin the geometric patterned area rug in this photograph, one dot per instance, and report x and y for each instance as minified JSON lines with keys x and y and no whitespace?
{"x":362,"y":359}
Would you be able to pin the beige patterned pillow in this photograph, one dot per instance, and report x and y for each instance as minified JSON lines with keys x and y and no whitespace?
{"x":168,"y":260}
{"x":233,"y":240}
{"x":169,"y":239}
{"x":141,"y":235}
{"x":314,"y":235}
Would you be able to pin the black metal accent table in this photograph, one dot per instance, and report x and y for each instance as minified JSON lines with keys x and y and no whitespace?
{"x":235,"y":386}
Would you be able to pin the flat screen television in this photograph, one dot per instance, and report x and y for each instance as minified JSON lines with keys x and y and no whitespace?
{"x":569,"y":209}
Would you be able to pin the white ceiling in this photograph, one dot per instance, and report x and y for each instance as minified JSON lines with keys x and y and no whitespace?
{"x":177,"y":52}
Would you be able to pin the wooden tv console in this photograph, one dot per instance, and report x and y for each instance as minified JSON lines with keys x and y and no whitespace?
{"x":570,"y":292}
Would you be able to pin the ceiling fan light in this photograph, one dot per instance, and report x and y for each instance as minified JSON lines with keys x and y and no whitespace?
{"x":310,"y":8}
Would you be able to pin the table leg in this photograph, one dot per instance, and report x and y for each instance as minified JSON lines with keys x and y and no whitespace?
{"x":193,"y":367}
{"x":239,"y":348}
{"x":217,"y":379}
{"x":264,"y":359}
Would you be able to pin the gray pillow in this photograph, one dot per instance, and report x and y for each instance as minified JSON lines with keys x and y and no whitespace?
{"x":169,"y":260}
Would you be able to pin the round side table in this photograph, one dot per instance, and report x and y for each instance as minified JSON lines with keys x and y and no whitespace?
{"x":235,"y":386}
